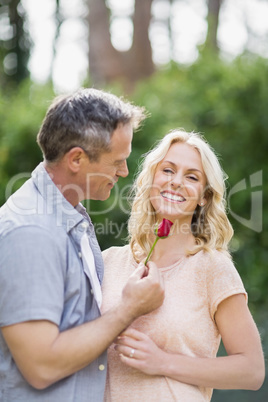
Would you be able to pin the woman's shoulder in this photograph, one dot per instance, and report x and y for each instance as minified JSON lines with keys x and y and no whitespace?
{"x":214,"y":255}
{"x":118,"y":263}
{"x":116,"y":253}
{"x":214,"y":260}
{"x":218,"y":272}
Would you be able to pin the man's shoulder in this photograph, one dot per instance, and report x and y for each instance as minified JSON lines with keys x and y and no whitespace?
{"x":25,"y":209}
{"x":18,"y":209}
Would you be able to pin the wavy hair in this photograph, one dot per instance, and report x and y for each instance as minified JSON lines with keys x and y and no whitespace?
{"x":210,"y":225}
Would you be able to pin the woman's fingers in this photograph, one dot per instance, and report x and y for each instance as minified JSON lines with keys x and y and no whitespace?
{"x":127,"y":351}
{"x":133,"y":333}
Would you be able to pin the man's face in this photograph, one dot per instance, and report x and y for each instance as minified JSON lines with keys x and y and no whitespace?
{"x":102,"y":175}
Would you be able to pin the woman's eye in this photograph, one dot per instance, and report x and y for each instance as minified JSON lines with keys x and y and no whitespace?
{"x":169,"y":171}
{"x":193,"y":178}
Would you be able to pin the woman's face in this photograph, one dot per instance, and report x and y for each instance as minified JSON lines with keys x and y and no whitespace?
{"x":179,"y":183}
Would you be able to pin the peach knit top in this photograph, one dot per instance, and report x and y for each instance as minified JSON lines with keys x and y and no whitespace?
{"x":194,"y":287}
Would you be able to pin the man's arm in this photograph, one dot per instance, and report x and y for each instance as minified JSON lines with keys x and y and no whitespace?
{"x":44,"y":355}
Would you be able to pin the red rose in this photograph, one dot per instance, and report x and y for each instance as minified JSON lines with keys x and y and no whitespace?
{"x":164,"y":228}
{"x":161,"y":233}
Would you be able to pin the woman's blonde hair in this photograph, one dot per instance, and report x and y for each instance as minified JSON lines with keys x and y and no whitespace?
{"x":210,"y":224}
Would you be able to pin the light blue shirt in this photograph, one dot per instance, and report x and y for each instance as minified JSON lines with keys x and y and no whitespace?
{"x":42,"y":278}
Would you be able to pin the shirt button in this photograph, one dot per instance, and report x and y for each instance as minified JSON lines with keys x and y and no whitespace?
{"x":91,"y":291}
{"x":101,"y":367}
{"x":84,"y":225}
{"x":79,"y":254}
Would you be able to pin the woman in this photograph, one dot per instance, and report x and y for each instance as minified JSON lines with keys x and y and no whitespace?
{"x":170,"y":354}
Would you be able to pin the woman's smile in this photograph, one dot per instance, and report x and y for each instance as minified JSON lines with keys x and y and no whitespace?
{"x":173,"y":197}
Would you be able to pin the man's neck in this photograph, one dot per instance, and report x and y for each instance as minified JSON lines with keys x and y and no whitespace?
{"x":61,"y":180}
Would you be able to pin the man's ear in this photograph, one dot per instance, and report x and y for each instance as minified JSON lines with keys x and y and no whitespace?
{"x":75,"y":158}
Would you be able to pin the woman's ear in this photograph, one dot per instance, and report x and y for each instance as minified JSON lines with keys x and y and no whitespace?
{"x":207,"y":195}
{"x":202,"y":202}
{"x":75,"y":158}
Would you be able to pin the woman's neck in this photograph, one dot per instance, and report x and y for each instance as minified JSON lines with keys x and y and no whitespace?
{"x":167,"y":251}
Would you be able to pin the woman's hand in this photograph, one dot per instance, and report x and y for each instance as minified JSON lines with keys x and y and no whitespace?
{"x":242,"y":368}
{"x":138,"y":351}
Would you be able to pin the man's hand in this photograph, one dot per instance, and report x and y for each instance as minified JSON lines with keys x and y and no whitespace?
{"x":144,"y":291}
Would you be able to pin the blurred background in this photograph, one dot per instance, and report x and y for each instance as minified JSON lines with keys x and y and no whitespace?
{"x":201,"y":65}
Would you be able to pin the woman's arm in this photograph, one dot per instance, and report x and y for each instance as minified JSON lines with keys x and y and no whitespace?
{"x":243,"y":368}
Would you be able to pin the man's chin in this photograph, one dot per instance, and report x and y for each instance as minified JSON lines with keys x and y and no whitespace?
{"x":103,"y":197}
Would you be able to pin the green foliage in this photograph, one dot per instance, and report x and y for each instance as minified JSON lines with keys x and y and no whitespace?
{"x":21,"y":113}
{"x":15,"y":44}
{"x":227,"y":103}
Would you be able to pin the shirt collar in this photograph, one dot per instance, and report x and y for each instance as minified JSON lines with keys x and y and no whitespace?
{"x":57,"y":204}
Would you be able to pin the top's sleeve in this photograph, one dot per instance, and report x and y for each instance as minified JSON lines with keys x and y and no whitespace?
{"x":31,"y":277}
{"x":223,"y":281}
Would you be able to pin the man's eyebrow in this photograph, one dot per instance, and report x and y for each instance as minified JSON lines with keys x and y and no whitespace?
{"x":118,"y":161}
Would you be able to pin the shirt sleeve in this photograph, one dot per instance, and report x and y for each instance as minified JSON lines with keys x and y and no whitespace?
{"x":223,"y":281}
{"x":31,"y":277}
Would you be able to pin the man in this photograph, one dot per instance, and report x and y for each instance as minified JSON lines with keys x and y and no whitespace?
{"x":53,"y":338}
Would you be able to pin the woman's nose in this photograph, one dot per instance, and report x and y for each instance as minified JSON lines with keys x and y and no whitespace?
{"x":177,"y":181}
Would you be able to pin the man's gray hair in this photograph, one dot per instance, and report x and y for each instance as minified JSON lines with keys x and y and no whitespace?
{"x":86,"y":119}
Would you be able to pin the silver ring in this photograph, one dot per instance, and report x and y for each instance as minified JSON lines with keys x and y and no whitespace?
{"x":132,"y":353}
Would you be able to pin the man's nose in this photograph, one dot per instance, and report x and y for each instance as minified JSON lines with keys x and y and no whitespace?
{"x":123,"y":170}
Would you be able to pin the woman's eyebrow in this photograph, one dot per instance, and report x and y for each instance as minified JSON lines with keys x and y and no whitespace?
{"x":189,"y":169}
{"x":171,"y":163}
{"x":195,"y":170}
